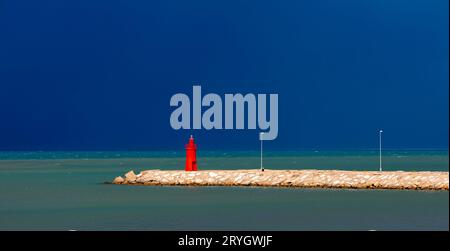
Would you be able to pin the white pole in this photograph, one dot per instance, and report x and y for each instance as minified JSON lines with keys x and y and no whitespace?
{"x":381,"y":169}
{"x":260,"y":138}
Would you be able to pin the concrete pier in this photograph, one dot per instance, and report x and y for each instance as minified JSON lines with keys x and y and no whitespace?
{"x":291,"y":178}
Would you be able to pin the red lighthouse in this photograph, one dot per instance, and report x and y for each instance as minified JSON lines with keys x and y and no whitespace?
{"x":191,"y":155}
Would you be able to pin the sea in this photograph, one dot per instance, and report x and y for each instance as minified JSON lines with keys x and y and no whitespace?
{"x":68,"y":190}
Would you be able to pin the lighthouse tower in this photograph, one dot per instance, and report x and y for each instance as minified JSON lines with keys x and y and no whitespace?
{"x":191,"y":155}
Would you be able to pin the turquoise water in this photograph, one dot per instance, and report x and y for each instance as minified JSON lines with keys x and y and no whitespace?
{"x":65,"y":190}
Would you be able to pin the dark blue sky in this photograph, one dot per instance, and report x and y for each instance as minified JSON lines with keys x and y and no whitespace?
{"x":99,"y":74}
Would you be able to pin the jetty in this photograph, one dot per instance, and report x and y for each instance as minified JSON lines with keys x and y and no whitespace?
{"x":290,"y":178}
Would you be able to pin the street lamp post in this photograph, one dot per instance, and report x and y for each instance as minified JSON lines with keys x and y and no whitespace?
{"x":380,"y":132}
{"x":261,"y":139}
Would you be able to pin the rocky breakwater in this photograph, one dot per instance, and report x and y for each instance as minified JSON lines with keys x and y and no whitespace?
{"x":291,"y":178}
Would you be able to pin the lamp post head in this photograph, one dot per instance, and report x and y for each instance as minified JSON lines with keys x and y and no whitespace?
{"x":261,"y":135}
{"x":381,"y":131}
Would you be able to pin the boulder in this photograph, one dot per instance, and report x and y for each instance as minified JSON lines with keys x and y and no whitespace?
{"x":130,"y":176}
{"x":118,"y":180}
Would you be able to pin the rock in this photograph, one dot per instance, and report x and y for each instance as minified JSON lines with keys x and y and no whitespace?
{"x":288,"y":178}
{"x":118,"y":180}
{"x":130,"y":176}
